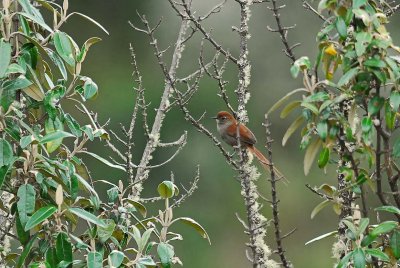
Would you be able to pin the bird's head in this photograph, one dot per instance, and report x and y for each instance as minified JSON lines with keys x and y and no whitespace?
{"x":224,"y":118}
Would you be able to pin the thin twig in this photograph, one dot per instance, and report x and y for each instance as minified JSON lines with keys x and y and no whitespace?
{"x":275,"y":201}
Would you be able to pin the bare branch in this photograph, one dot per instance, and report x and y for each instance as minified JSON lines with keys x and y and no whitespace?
{"x":283,"y":31}
{"x":275,"y":201}
{"x":308,"y":6}
{"x":188,"y":15}
{"x":155,"y":132}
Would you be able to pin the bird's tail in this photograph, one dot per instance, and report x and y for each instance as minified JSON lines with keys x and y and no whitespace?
{"x":264,"y":161}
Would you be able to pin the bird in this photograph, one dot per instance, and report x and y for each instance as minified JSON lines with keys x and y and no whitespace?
{"x":227,"y":128}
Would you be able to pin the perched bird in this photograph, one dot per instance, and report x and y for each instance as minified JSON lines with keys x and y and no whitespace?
{"x":227,"y":128}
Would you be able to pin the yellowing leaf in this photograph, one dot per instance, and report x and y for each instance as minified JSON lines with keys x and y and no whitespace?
{"x":292,"y":128}
{"x":34,"y":92}
{"x":331,"y":50}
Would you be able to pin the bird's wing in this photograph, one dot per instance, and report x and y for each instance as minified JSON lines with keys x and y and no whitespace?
{"x":246,"y":136}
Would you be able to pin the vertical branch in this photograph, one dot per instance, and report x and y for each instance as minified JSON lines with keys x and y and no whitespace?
{"x":142,"y":171}
{"x":344,"y":194}
{"x":139,"y":98}
{"x":248,"y":174}
{"x":274,"y":195}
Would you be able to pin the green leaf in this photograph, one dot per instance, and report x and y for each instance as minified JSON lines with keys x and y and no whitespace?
{"x":26,"y":251}
{"x":395,"y":100}
{"x":55,"y":136}
{"x":300,"y":64}
{"x":289,"y":108}
{"x":85,"y":48}
{"x":285,"y":98}
{"x":115,"y":258}
{"x":192,"y":223}
{"x":104,"y":161}
{"x":310,"y":155}
{"x":375,"y":63}
{"x":146,"y":261}
{"x":364,"y":222}
{"x":39,"y":216}
{"x":26,"y":203}
{"x":73,"y":125}
{"x":91,"y":20}
{"x":140,"y":207}
{"x":395,"y":244}
{"x":6,"y":153}
{"x":377,"y":254}
{"x":359,"y":3}
{"x":367,"y":240}
{"x":23,"y":235}
{"x":64,"y":47}
{"x":85,"y":183}
{"x":366,"y":124}
{"x":19,"y":83}
{"x":390,"y":116}
{"x":292,"y":128}
{"x":345,"y":79}
{"x":359,"y":258}
{"x":383,"y":228}
{"x":322,"y":130}
{"x":36,"y":20}
{"x":106,"y":232}
{"x":144,"y":239}
{"x":64,"y":247}
{"x":5,"y":56}
{"x":57,"y":60}
{"x":87,"y":216}
{"x":51,"y":257}
{"x":166,"y":253}
{"x":14,"y":68}
{"x":375,"y":105}
{"x":53,"y":126}
{"x":74,"y":187}
{"x":324,"y":157}
{"x":319,"y":207}
{"x":363,"y":40}
{"x":89,"y":89}
{"x":341,"y":27}
{"x":390,"y":209}
{"x":321,"y":237}
{"x":167,"y":189}
{"x":345,"y":260}
{"x":25,"y":141}
{"x":94,"y":260}
{"x":52,"y":98}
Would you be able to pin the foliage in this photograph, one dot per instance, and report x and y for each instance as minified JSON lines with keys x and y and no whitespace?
{"x":55,"y":215}
{"x":349,"y":118}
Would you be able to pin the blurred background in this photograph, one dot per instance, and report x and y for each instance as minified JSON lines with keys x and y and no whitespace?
{"x":218,"y":197}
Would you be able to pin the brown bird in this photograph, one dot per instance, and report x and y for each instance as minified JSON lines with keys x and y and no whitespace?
{"x":227,"y":128}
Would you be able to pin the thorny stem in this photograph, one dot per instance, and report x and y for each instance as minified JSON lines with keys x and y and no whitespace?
{"x":275,"y":200}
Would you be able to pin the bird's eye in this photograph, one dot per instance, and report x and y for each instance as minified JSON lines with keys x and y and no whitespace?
{"x":224,"y":117}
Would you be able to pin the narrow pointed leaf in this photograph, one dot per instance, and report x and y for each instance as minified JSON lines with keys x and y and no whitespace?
{"x":40,"y":216}
{"x":83,"y":214}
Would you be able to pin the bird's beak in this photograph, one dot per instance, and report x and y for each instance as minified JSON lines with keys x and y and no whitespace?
{"x":214,"y":117}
